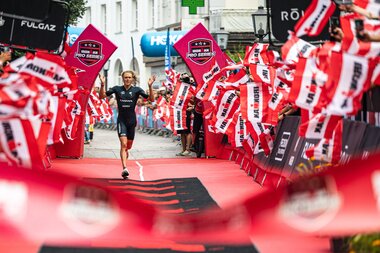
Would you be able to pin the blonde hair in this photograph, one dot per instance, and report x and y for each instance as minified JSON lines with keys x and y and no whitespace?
{"x":134,"y":76}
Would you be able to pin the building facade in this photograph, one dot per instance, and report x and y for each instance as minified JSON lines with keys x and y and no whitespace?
{"x":124,"y":22}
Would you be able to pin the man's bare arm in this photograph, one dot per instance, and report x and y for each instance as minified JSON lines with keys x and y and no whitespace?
{"x":102,"y":91}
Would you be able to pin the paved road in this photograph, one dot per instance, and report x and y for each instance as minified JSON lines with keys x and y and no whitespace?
{"x":106,"y":145}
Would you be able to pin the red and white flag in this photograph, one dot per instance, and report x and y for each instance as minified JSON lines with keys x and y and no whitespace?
{"x":257,"y":54}
{"x":19,"y":142}
{"x":239,"y":132}
{"x":317,"y":126}
{"x":226,"y":106}
{"x":295,"y":48}
{"x":181,"y":96}
{"x":351,"y":44}
{"x":254,"y":98}
{"x":328,"y":150}
{"x":48,"y":69}
{"x":235,"y":80}
{"x":316,"y":17}
{"x":308,"y":84}
{"x":346,"y":83}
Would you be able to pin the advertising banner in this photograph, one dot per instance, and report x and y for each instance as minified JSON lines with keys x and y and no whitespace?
{"x":353,"y":134}
{"x":371,"y":141}
{"x":33,"y":9}
{"x":153,"y":44}
{"x":285,"y":15}
{"x":74,"y":33}
{"x":46,"y":35}
{"x":89,"y":53}
{"x":286,"y":135}
{"x":198,"y":49}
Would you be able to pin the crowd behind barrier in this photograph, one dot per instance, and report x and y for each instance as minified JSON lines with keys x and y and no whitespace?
{"x":146,"y":122}
{"x":288,"y":159}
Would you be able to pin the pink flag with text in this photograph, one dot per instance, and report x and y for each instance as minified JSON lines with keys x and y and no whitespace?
{"x":197,"y":48}
{"x":88,"y":54}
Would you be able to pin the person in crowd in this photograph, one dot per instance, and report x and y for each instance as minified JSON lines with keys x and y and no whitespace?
{"x":5,"y":57}
{"x":197,"y":122}
{"x":86,"y":130}
{"x":126,"y":97}
{"x":362,"y":35}
{"x":186,"y":136}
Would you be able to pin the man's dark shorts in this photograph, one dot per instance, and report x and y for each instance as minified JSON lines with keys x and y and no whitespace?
{"x":126,"y":130}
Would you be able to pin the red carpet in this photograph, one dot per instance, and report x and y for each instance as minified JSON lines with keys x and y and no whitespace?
{"x":224,"y":181}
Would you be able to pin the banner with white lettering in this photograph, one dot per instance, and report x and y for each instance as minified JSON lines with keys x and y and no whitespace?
{"x":284,"y":16}
{"x":198,"y":49}
{"x":286,"y":135}
{"x":48,"y":34}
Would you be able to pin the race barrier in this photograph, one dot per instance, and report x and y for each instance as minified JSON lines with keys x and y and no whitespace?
{"x":288,"y":159}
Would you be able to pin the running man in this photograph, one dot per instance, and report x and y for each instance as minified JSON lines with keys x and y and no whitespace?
{"x":126,"y":97}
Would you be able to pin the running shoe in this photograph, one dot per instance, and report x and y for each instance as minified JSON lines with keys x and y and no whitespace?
{"x":125,"y":173}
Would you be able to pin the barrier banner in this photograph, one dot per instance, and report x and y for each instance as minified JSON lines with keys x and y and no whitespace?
{"x":371,"y":142}
{"x":352,"y":138}
{"x":324,"y":205}
{"x":340,"y":201}
{"x":198,"y":49}
{"x":55,"y":208}
{"x":294,"y":152}
{"x":286,"y":135}
{"x":89,"y":53}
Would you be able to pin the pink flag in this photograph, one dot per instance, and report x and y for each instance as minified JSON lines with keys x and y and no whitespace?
{"x":197,"y":48}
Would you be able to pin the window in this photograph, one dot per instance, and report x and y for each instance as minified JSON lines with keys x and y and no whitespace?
{"x":166,"y":9}
{"x":119,"y":18}
{"x":88,"y":15}
{"x":151,"y":14}
{"x":135,"y":15}
{"x":103,"y":18}
{"x":178,"y":10}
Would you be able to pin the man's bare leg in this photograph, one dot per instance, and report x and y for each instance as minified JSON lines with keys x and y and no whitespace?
{"x":123,"y":151}
{"x":125,"y":145}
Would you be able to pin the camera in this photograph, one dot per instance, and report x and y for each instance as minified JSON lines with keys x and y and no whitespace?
{"x":185,"y":78}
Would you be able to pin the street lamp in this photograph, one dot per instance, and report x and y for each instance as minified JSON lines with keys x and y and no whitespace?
{"x":221,"y":38}
{"x":106,"y":67}
{"x":260,"y":23}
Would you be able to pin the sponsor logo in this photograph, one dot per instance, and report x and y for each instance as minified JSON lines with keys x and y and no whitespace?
{"x":89,"y":52}
{"x":49,"y":73}
{"x":88,"y":210}
{"x":38,"y":26}
{"x":200,"y":51}
{"x":282,"y":147}
{"x":310,"y":204}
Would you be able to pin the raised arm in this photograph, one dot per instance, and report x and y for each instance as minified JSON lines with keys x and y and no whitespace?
{"x":150,"y":85}
{"x":102,"y":91}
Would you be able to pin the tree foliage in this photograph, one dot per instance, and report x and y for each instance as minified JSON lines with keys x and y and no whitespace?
{"x":77,"y":9}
